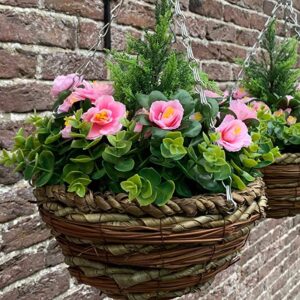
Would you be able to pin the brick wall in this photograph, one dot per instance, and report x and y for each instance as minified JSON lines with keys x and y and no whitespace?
{"x":40,"y":39}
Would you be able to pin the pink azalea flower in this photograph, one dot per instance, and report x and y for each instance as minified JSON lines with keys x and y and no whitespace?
{"x":242,"y":111}
{"x":239,"y":93}
{"x":234,"y":134}
{"x":94,"y":91}
{"x":65,"y":82}
{"x":166,"y":115}
{"x":105,"y":117}
{"x":260,"y":105}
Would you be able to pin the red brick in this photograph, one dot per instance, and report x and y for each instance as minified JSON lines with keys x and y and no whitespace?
{"x":196,"y":26}
{"x":21,"y":266}
{"x":15,"y":203}
{"x":237,"y":16}
{"x":20,"y":3}
{"x":46,"y":288}
{"x":120,"y":36}
{"x":86,"y":8}
{"x":17,"y":64}
{"x":207,"y":8}
{"x":86,"y":294}
{"x":33,"y":28}
{"x":218,"y":72}
{"x":88,"y":34}
{"x":26,"y":233}
{"x":8,"y":131}
{"x":55,"y":64}
{"x":25,"y":97}
{"x":246,"y":37}
{"x":137,"y":15}
{"x":220,"y":32}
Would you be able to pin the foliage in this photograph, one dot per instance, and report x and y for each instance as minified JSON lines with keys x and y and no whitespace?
{"x":151,"y":64}
{"x":154,"y":141}
{"x":272,"y":76}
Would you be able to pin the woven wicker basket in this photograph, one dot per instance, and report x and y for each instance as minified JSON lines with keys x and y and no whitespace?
{"x":133,"y":252}
{"x":283,"y":186}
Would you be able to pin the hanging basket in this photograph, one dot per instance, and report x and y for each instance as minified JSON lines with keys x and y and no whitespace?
{"x":283,"y":186}
{"x":133,"y":252}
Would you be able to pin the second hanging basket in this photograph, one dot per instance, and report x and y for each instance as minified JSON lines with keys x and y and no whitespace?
{"x":283,"y":186}
{"x":133,"y":252}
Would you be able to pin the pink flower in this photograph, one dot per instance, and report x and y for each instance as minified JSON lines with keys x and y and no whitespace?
{"x":242,"y":111}
{"x":138,"y":127}
{"x":65,"y":82}
{"x":234,"y":134}
{"x":105,"y":117}
{"x":94,"y":91}
{"x":166,"y":115}
{"x":291,"y":120}
{"x":211,"y":94}
{"x":89,"y":91}
{"x":68,"y":103}
{"x":260,"y":105}
{"x":239,"y":93}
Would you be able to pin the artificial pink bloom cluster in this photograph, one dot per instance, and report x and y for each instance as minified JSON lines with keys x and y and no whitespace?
{"x":65,"y":82}
{"x":233,"y":134}
{"x":105,"y":117}
{"x":166,"y":114}
{"x":89,"y":91}
{"x":242,"y":111}
{"x":260,"y":105}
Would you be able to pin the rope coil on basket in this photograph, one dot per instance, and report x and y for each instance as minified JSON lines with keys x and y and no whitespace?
{"x":147,"y":257}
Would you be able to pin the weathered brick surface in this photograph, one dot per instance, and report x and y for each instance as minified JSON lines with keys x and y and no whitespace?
{"x":40,"y":39}
{"x":21,"y":97}
{"x":17,"y":64}
{"x":37,"y":29}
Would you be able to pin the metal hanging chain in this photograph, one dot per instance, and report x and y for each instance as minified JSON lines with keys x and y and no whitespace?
{"x":180,"y":20}
{"x":255,"y":47}
{"x":292,"y":16}
{"x":102,"y":33}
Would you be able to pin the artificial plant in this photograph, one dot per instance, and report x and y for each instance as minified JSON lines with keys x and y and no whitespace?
{"x":149,"y":135}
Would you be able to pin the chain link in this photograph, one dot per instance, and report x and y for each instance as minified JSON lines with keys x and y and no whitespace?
{"x":102,"y":33}
{"x":180,"y":20}
{"x":255,"y":47}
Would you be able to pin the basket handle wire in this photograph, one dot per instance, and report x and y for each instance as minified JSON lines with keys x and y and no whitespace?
{"x":180,"y":21}
{"x":289,"y":14}
{"x":101,"y":35}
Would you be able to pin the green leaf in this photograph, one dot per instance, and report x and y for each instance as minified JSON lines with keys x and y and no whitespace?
{"x":47,"y":160}
{"x":77,"y":188}
{"x":186,"y":101}
{"x":81,"y":159}
{"x":193,"y":129}
{"x":43,"y":179}
{"x":92,"y":144}
{"x":165,"y":192}
{"x":156,"y":96}
{"x":52,"y":138}
{"x":79,"y":144}
{"x":125,"y":165}
{"x":143,"y":100}
{"x":133,"y":186}
{"x":151,"y":175}
{"x":98,"y":174}
{"x":238,"y":182}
